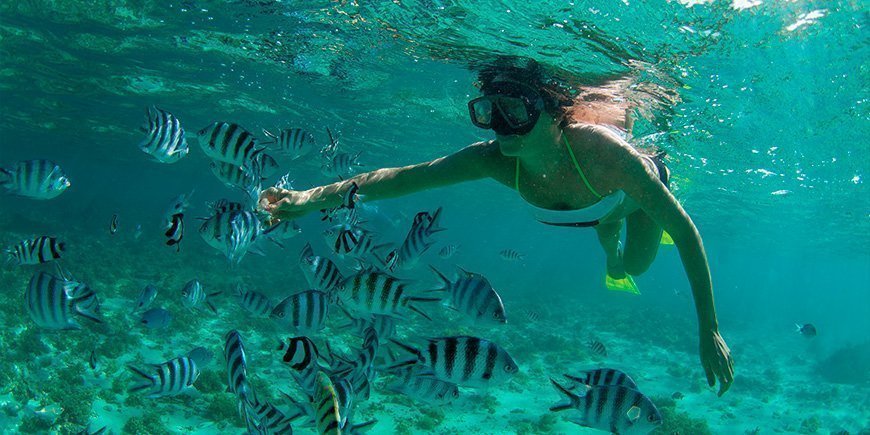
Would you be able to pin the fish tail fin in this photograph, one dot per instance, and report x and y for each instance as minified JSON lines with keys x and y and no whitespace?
{"x":271,"y":136}
{"x":145,"y":377}
{"x":5,"y":177}
{"x":444,"y":280}
{"x":211,"y":307}
{"x":572,"y":399}
{"x":407,"y":348}
{"x":362,"y":427}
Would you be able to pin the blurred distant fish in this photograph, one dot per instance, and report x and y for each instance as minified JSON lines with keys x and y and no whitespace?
{"x":177,"y":206}
{"x":611,"y":408}
{"x":320,"y":272}
{"x":304,"y":312}
{"x":511,"y":255}
{"x":146,"y":296}
{"x":601,"y":377}
{"x":473,"y":295}
{"x":448,"y":251}
{"x":193,"y":295}
{"x":174,"y":232}
{"x":299,"y":352}
{"x":52,"y":302}
{"x":92,"y":359}
{"x":232,"y":175}
{"x":42,"y":249}
{"x":156,"y":318}
{"x":466,"y":361}
{"x":419,"y":385}
{"x":168,"y":379}
{"x":87,"y":431}
{"x":113,"y":226}
{"x":165,"y":139}
{"x":597,"y":347}
{"x":201,"y":356}
{"x":283,"y":230}
{"x":36,"y":179}
{"x":533,"y":315}
{"x":225,"y":206}
{"x":255,"y":302}
{"x":229,"y":143}
{"x":265,"y":166}
{"x":294,"y":142}
{"x":808,"y":330}
{"x":341,"y":165}
{"x":137,"y":232}
{"x":417,"y":242}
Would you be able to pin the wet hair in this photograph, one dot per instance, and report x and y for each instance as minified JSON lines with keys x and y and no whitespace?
{"x":530,"y":73}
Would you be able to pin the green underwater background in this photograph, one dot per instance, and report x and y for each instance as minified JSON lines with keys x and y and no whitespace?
{"x":767,"y":146}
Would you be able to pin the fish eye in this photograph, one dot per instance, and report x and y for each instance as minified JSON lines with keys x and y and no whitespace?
{"x":509,"y":368}
{"x":651,"y":417}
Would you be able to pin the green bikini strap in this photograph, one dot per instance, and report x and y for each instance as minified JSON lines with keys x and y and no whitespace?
{"x":577,"y":165}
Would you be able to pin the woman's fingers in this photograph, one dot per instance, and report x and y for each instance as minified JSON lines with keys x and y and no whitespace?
{"x":711,"y":377}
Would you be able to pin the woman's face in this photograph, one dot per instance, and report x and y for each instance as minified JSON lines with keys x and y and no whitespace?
{"x":520,"y":145}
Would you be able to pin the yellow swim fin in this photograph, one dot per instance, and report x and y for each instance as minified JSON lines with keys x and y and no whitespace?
{"x":666,"y":239}
{"x":624,"y":284}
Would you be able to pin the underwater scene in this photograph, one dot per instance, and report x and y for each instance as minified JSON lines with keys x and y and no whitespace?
{"x":434,"y":217}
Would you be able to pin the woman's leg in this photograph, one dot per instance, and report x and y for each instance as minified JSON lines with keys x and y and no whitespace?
{"x":608,"y":236}
{"x":642,"y":240}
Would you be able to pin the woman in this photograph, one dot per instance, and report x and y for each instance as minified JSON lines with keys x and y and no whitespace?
{"x":574,"y":174}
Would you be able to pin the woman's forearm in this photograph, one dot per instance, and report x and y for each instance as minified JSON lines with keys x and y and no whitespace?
{"x":375,"y":185}
{"x":698,"y":271}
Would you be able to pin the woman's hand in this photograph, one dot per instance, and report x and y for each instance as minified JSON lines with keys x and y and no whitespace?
{"x":716,"y":360}
{"x":282,"y":204}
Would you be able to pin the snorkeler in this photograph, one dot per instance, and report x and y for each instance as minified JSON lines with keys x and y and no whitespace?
{"x":568,"y":158}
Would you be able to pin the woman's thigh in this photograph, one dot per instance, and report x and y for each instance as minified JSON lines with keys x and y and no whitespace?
{"x":642,"y":239}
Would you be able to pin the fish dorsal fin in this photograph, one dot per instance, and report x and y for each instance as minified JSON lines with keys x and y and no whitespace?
{"x":633,"y":414}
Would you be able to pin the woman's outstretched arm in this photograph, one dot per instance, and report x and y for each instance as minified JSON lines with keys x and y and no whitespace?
{"x":473,"y":162}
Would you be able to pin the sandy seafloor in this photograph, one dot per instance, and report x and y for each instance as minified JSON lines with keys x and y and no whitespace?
{"x":46,"y":377}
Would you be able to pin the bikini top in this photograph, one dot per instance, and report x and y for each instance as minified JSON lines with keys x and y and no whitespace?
{"x":582,"y":217}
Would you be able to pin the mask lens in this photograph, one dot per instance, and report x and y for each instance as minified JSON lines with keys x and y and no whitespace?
{"x":514,"y":110}
{"x":481,"y":112}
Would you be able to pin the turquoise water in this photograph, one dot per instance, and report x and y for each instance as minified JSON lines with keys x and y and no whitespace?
{"x":767,"y":145}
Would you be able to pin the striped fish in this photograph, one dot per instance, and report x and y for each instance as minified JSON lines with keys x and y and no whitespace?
{"x":264,"y":418}
{"x":283,"y":230}
{"x":473,"y":295}
{"x":601,"y":378}
{"x":346,"y":211}
{"x":265,"y":165}
{"x":384,"y":326}
{"x":235,"y":176}
{"x":236,"y":365}
{"x":175,"y":231}
{"x":421,"y":386}
{"x":93,"y":360}
{"x":326,"y":407}
{"x":36,"y":179}
{"x":294,"y":142}
{"x":201,"y":356}
{"x":42,"y":249}
{"x":113,"y":226}
{"x":231,"y":143}
{"x":53,"y":302}
{"x":320,"y":272}
{"x":256,"y":303}
{"x":165,"y":140}
{"x":168,"y":379}
{"x":417,"y":242}
{"x":448,"y":251}
{"x":511,"y":255}
{"x":193,"y":296}
{"x":341,"y":165}
{"x":232,"y":233}
{"x":146,"y":296}
{"x":597,"y":347}
{"x":466,"y":361}
{"x":304,"y":312}
{"x":224,"y":206}
{"x":372,"y":292}
{"x":299,"y":352}
{"x":612,"y":408}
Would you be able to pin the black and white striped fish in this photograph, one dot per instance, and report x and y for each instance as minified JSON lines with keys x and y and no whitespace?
{"x":326,"y":407}
{"x":611,"y":408}
{"x":232,"y":233}
{"x":473,"y":295}
{"x":466,"y":361}
{"x":601,"y":377}
{"x":165,"y":139}
{"x":178,"y":205}
{"x":384,"y":326}
{"x":168,"y":379}
{"x":597,"y":347}
{"x":372,"y":292}
{"x":420,"y":385}
{"x":266,"y":419}
{"x":417,"y":242}
{"x":113,"y":226}
{"x":193,"y":296}
{"x":174,"y":232}
{"x":265,"y":166}
{"x":231,"y":143}
{"x":235,"y":176}
{"x":356,"y":243}
{"x":255,"y":302}
{"x":294,"y":142}
{"x":36,"y":179}
{"x":304,"y":312}
{"x":299,"y":352}
{"x":511,"y":255}
{"x":448,"y":251}
{"x":344,"y":212}
{"x":236,"y":365}
{"x":341,"y":165}
{"x":146,"y":296}
{"x":52,"y":302}
{"x":42,"y":249}
{"x":320,"y":272}
{"x":224,"y":206}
